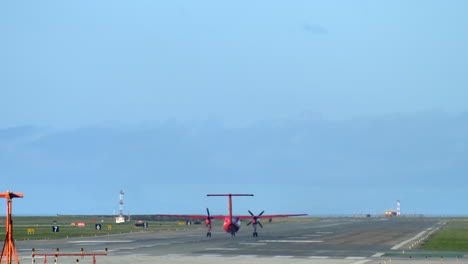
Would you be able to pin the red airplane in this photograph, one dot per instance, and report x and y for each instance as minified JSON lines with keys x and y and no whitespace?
{"x":232,"y":223}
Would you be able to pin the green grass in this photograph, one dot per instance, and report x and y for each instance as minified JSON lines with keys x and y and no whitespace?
{"x":43,"y":227}
{"x":453,"y":237}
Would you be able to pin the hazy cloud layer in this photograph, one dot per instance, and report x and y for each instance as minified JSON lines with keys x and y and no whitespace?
{"x":394,"y":155}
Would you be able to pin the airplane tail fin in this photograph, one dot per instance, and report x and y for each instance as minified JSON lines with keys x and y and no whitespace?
{"x":229,"y":195}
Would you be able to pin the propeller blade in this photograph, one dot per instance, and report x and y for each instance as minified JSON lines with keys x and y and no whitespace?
{"x":249,"y":223}
{"x":251,"y":213}
{"x":208,"y":212}
{"x":261,"y":213}
{"x":258,"y":222}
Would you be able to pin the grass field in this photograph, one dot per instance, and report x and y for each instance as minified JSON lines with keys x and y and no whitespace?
{"x":453,"y":237}
{"x":43,"y":227}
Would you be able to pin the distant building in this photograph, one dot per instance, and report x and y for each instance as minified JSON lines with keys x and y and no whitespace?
{"x":391,"y":213}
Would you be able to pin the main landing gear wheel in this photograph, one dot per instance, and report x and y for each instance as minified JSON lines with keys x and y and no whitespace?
{"x":233,"y":234}
{"x":208,"y":234}
{"x":255,"y":234}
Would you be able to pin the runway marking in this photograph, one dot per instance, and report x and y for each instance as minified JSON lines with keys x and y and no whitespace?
{"x":247,"y":256}
{"x":324,"y":232}
{"x":100,"y":241}
{"x":174,"y":255}
{"x":154,"y":245}
{"x":355,"y":257}
{"x":319,"y":257}
{"x":378,"y":255}
{"x":221,"y":249}
{"x":361,"y":261}
{"x":283,"y":256}
{"x":398,"y":246}
{"x":211,"y":255}
{"x":292,"y":241}
{"x":128,"y":248}
{"x":253,"y":244}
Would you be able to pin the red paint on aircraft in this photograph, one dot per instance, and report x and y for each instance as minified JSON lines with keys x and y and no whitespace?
{"x":232,"y":223}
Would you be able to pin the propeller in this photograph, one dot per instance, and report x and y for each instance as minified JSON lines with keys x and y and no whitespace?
{"x":208,"y":217}
{"x":255,"y":218}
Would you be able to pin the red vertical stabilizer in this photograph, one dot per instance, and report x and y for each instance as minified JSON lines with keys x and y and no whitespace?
{"x":230,"y":201}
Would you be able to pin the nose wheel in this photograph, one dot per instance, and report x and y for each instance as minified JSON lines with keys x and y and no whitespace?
{"x":255,"y":234}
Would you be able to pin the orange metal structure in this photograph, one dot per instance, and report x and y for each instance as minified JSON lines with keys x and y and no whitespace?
{"x":9,"y":249}
{"x":57,"y":254}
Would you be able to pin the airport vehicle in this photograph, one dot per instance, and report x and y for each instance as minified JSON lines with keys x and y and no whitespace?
{"x":232,"y":223}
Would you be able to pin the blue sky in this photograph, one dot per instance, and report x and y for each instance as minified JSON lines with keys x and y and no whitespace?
{"x":315,"y":106}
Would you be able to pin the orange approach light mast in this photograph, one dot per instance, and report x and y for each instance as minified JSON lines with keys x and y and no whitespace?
{"x":9,"y":249}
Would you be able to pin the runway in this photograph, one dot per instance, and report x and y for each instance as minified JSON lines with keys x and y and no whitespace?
{"x":333,"y":240}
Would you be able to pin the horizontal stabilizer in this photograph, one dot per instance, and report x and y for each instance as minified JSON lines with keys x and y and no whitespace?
{"x":229,"y":194}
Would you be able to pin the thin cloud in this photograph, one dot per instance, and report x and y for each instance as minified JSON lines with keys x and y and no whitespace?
{"x":315,"y":29}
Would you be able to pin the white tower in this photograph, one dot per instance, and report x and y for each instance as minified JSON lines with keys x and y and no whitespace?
{"x":121,"y":218}
{"x":398,"y":212}
{"x":121,"y":203}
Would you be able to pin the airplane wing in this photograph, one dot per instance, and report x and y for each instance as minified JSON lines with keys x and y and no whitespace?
{"x":193,"y":216}
{"x":283,"y":215}
{"x":269,"y":216}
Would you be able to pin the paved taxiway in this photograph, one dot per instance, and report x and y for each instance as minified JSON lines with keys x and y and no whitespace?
{"x":334,"y":240}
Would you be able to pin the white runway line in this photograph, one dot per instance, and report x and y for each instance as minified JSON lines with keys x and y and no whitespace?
{"x":221,"y":249}
{"x":361,"y":261}
{"x":253,"y":244}
{"x":174,"y":255}
{"x":319,"y":257}
{"x":127,"y":248}
{"x":398,"y":246}
{"x":355,"y":257}
{"x":378,"y":255}
{"x":283,"y":256}
{"x":247,"y":256}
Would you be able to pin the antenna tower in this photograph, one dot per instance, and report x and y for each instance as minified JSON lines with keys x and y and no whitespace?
{"x":398,"y":212}
{"x":121,"y":203}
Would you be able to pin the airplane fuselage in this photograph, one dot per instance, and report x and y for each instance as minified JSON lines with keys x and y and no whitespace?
{"x":231,"y":224}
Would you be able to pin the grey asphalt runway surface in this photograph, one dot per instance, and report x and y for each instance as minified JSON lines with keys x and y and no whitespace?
{"x":333,"y":240}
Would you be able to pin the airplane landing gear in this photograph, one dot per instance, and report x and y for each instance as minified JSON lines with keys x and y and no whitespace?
{"x":255,"y":234}
{"x":208,"y":234}
{"x":233,"y":234}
